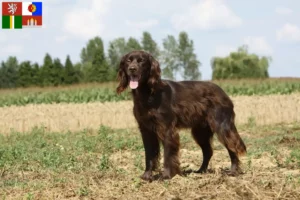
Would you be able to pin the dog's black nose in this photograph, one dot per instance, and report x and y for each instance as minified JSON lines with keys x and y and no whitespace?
{"x":132,"y":69}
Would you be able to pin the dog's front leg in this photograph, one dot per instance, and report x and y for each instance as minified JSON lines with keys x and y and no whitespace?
{"x":171,"y":144}
{"x":151,"y":146}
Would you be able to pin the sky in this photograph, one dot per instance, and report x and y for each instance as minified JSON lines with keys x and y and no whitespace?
{"x":217,"y":27}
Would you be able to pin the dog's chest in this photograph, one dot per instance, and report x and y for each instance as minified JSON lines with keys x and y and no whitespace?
{"x":147,"y":108}
{"x":146,"y":112}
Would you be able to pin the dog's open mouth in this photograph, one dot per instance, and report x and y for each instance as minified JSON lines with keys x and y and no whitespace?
{"x":134,"y":82}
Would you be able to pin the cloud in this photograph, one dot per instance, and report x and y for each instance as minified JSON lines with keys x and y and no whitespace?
{"x":3,"y":37}
{"x":289,"y":32}
{"x":141,"y":25}
{"x":207,"y":15}
{"x":85,"y":18}
{"x":61,"y":38}
{"x":135,"y":28}
{"x":283,"y":10}
{"x":224,"y":50}
{"x":11,"y":49}
{"x":13,"y":35}
{"x":258,"y":45}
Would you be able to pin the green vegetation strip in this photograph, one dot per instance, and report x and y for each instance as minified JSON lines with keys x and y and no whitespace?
{"x":105,"y":93}
{"x":62,"y":96}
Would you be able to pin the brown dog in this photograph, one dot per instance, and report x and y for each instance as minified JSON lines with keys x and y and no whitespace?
{"x":162,"y":106}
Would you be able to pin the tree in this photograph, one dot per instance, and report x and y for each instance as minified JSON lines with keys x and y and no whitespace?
{"x":9,"y":73}
{"x":187,"y":58}
{"x":57,"y":72}
{"x":169,"y":57}
{"x":70,"y":74}
{"x":240,"y":64}
{"x":95,"y":67}
{"x":88,"y":53}
{"x":86,"y":70}
{"x":150,"y":45}
{"x":117,"y":48}
{"x":179,"y":57}
{"x":132,"y":45}
{"x":78,"y":71}
{"x":25,"y":74}
{"x":99,"y":67}
{"x":36,"y":78}
{"x":46,"y":71}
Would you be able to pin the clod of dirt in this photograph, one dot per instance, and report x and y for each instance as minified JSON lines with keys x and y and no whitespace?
{"x":266,"y":161}
{"x":173,"y":197}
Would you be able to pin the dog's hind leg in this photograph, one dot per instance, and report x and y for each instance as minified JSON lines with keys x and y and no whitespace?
{"x":203,"y":136}
{"x":230,"y":138}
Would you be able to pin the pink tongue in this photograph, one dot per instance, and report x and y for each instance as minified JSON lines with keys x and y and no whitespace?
{"x":134,"y":83}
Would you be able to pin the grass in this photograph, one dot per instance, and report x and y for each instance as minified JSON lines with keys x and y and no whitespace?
{"x":105,"y":92}
{"x":73,"y":152}
{"x":106,"y":164}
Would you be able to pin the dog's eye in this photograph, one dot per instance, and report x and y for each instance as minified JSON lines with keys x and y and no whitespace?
{"x":128,"y":60}
{"x":141,"y":60}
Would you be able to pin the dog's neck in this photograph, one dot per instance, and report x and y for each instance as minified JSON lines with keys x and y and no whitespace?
{"x":145,"y":95}
{"x":143,"y":89}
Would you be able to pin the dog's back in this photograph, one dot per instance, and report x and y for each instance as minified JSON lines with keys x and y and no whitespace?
{"x":197,"y":101}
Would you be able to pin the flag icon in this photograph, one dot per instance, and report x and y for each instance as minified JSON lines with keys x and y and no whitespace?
{"x":11,"y":8}
{"x":18,"y":15}
{"x":11,"y":22}
{"x":32,"y":8}
{"x":31,"y":21}
{"x":11,"y":15}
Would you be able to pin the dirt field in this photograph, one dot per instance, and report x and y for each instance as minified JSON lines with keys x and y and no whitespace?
{"x":262,"y":110}
{"x":106,"y":165}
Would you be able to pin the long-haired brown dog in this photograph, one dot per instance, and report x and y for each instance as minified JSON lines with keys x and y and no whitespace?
{"x":161,"y":107}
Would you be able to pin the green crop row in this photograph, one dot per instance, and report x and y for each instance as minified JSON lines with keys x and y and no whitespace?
{"x":104,"y":93}
{"x":69,"y":96}
{"x":260,"y":88}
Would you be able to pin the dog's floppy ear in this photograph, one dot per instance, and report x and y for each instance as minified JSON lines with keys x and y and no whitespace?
{"x":121,"y":76}
{"x":154,"y":80}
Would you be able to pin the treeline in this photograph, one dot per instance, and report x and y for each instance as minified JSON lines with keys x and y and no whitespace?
{"x":176,"y":56}
{"x":239,"y":65}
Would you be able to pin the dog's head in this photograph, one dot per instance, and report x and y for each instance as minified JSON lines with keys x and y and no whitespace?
{"x":137,"y":68}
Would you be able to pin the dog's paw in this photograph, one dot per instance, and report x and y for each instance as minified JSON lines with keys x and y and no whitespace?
{"x":147,"y":176}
